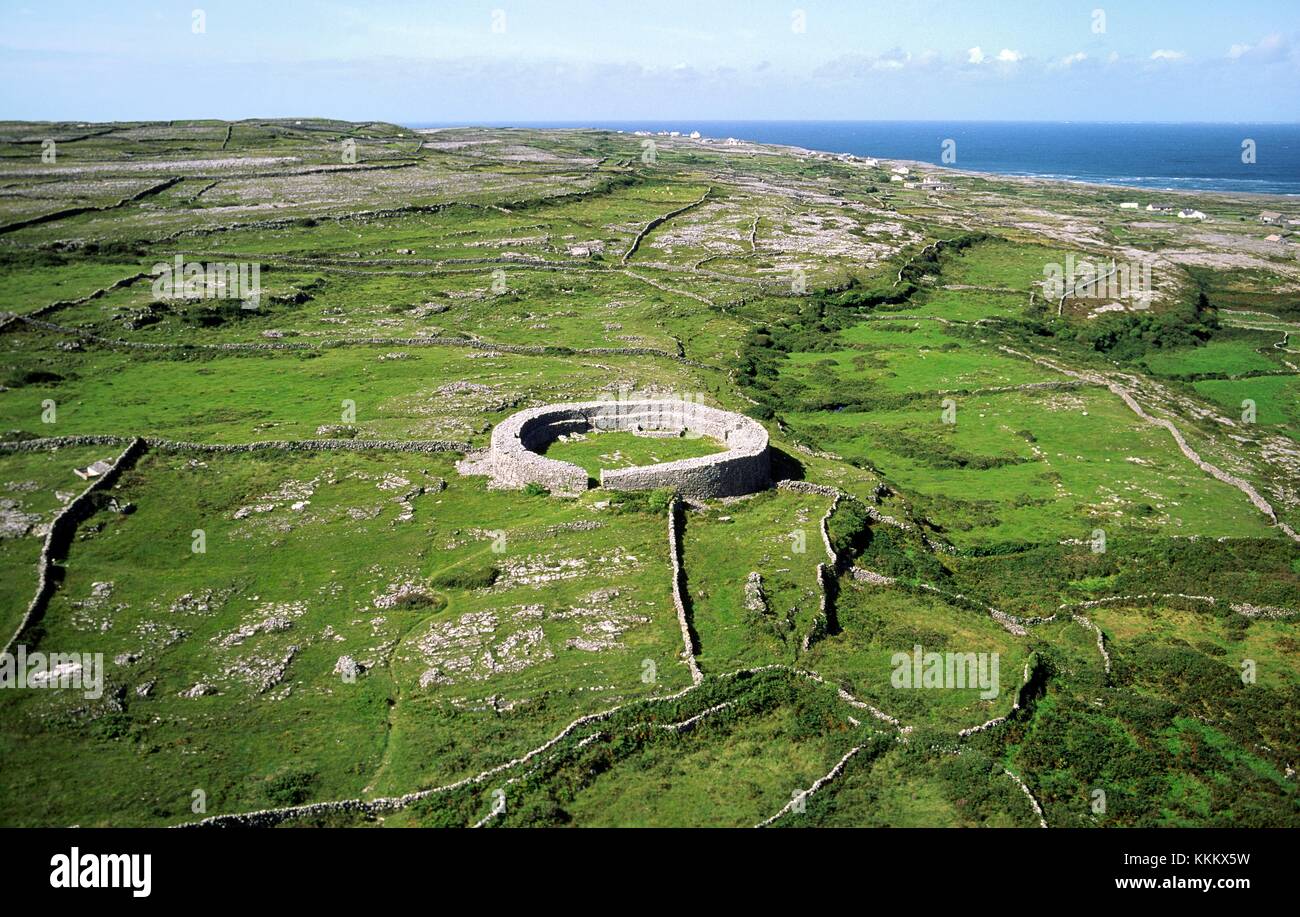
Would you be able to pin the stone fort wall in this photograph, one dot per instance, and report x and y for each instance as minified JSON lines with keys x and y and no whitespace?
{"x":513,"y":458}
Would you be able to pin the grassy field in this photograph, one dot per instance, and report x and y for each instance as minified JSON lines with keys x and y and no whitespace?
{"x":1023,"y":467}
{"x":1227,"y":357}
{"x":304,"y":625}
{"x":614,"y":449}
{"x":1276,"y":398}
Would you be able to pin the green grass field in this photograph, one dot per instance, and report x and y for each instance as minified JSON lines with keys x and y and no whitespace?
{"x":625,"y":450}
{"x":1229,"y":357}
{"x":304,"y":625}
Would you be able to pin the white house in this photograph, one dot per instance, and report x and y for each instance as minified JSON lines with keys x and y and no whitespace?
{"x":1129,"y":205}
{"x":1189,"y":214}
{"x":1159,"y":208}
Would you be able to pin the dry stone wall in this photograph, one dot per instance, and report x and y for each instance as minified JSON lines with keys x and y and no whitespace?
{"x":10,"y":321}
{"x":267,"y":818}
{"x":680,"y":599}
{"x":513,"y":459}
{"x":60,"y":534}
{"x":44,"y":443}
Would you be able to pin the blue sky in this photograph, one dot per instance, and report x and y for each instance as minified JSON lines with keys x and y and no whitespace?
{"x":504,"y":60}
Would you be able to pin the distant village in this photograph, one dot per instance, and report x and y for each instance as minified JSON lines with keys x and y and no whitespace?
{"x":1288,"y":225}
{"x":1285,"y":235}
{"x":899,"y":174}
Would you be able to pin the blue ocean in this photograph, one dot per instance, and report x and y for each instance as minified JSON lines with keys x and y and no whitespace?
{"x":1147,"y":155}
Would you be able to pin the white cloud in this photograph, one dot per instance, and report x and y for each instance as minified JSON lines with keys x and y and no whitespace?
{"x":1065,"y":63}
{"x":1272,"y":42}
{"x":976,"y":55}
{"x":856,"y":66}
{"x":893,"y":59}
{"x":1165,"y":54}
{"x":1268,"y":48}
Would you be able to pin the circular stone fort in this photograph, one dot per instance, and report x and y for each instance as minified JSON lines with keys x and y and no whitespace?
{"x":513,"y":458}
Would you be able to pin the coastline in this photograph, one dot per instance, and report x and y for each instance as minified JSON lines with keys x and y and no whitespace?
{"x":985,"y":174}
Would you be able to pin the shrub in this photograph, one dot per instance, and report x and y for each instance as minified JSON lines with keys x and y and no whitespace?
{"x":18,"y":378}
{"x":413,"y":600}
{"x":290,"y":788}
{"x":651,"y":502}
{"x":849,"y":526}
{"x":473,"y":578}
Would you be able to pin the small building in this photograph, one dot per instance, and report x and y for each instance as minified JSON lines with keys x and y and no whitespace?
{"x":1159,"y":208}
{"x":1129,"y":205}
{"x":895,"y":178}
{"x":937,"y":184}
{"x":1273,"y":238}
{"x":93,"y":470}
{"x":901,"y":170}
{"x":695,"y":135}
{"x":1189,"y":214}
{"x":1271,"y":217}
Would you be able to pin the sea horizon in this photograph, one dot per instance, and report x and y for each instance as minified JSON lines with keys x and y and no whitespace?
{"x":1191,"y":155}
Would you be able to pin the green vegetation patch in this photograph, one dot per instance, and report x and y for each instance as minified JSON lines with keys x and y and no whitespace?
{"x":596,"y":450}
